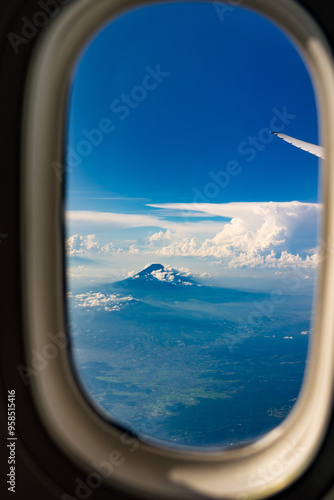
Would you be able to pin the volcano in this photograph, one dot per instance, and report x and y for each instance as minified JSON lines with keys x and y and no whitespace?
{"x":158,"y":275}
{"x":167,"y":285}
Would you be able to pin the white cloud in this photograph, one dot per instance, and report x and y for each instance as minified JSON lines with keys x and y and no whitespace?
{"x":173,"y":275}
{"x":289,"y":260}
{"x":184,"y":247}
{"x":186,"y":272}
{"x":133,"y":250}
{"x":78,"y":245}
{"x":161,"y":236}
{"x":91,"y":244}
{"x":113,"y":302}
{"x":111,"y":220}
{"x":163,"y":276}
{"x":109,"y":249}
{"x":268,"y":235}
{"x":88,"y":221}
{"x":74,"y":245}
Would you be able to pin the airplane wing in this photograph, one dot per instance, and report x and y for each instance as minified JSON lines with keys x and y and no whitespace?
{"x":305,"y":146}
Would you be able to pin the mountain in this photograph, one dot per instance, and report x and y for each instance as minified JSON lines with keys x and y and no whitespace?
{"x":166,"y":284}
{"x":157,"y":275}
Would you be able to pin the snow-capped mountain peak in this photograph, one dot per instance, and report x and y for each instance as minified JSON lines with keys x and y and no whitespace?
{"x":157,"y":273}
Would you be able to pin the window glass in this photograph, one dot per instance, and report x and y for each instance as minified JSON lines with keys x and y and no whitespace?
{"x":191,"y":230}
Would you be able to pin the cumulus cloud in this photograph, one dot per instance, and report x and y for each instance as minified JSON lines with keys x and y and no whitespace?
{"x":78,"y":245}
{"x":133,"y":250}
{"x":161,"y":236}
{"x":100,"y":301}
{"x":75,"y":245}
{"x":109,"y":249}
{"x":171,"y":276}
{"x":90,"y":243}
{"x":273,"y":235}
{"x":163,"y":276}
{"x":184,"y":271}
{"x":289,"y":260}
{"x":268,"y":235}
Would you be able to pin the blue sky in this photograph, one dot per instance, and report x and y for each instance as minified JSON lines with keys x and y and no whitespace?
{"x":184,"y":102}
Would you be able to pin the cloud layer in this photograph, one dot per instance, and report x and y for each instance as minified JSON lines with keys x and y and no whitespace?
{"x":78,"y":245}
{"x":99,"y":301}
{"x":270,"y":235}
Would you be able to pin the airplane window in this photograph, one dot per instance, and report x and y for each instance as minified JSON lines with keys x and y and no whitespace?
{"x":191,"y":228}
